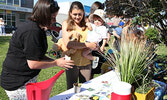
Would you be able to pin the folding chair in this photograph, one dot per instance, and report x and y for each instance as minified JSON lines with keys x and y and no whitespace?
{"x":41,"y":90}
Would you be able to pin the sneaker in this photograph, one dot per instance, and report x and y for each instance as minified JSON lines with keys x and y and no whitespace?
{"x":95,"y":62}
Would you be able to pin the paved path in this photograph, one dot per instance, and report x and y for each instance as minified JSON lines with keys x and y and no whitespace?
{"x":7,"y":35}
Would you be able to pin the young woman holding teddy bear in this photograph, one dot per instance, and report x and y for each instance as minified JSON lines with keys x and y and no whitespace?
{"x":76,"y":22}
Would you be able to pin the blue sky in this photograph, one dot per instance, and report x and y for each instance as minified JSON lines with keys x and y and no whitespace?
{"x":84,"y":2}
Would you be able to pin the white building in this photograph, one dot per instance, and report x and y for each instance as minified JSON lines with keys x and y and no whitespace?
{"x":63,"y":12}
{"x":14,"y":12}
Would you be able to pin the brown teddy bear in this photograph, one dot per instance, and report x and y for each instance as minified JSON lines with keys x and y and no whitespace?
{"x":60,"y":46}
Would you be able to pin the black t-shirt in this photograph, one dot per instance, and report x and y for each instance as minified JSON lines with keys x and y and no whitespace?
{"x":29,"y":42}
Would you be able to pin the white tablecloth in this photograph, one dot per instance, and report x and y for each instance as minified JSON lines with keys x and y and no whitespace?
{"x":100,"y":86}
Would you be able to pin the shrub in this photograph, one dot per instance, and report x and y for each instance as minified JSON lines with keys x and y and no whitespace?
{"x":152,"y":34}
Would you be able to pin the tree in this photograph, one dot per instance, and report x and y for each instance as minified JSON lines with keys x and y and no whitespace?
{"x":152,"y":12}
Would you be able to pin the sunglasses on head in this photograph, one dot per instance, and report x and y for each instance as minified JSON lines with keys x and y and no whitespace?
{"x":54,"y":3}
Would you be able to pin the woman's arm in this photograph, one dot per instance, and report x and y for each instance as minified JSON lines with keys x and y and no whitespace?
{"x":65,"y":34}
{"x":47,"y":62}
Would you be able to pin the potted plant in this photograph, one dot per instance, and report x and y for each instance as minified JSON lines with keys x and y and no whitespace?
{"x":146,"y":90}
{"x":145,"y":93}
{"x":133,"y":60}
{"x":148,"y":95}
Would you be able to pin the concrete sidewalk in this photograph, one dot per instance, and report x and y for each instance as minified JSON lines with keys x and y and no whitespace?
{"x":7,"y":34}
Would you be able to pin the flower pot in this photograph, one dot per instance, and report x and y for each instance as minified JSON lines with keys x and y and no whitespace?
{"x":148,"y":96}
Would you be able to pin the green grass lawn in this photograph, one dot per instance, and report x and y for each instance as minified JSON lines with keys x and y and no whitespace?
{"x":4,"y":43}
{"x":60,"y":84}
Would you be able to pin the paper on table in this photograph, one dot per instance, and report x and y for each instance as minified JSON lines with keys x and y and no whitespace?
{"x":102,"y":89}
{"x":104,"y":85}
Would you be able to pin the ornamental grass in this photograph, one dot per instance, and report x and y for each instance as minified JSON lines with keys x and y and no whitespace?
{"x":133,"y":60}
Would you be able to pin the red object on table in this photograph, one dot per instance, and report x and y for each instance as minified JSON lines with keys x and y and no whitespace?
{"x":41,"y":90}
{"x":115,"y":96}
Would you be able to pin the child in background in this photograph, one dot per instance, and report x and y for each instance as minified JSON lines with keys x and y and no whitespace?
{"x":97,"y":32}
{"x":117,"y":32}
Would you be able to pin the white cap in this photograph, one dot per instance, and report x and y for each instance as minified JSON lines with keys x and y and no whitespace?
{"x":100,"y":13}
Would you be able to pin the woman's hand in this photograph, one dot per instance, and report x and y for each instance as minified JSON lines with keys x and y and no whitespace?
{"x":61,"y":62}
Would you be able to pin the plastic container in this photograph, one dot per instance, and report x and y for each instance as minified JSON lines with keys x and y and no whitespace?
{"x":121,"y":91}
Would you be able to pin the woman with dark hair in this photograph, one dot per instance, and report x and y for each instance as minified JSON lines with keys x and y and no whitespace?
{"x":96,"y":5}
{"x":26,"y":53}
{"x":76,"y":23}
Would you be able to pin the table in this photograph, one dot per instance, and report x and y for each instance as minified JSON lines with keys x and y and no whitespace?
{"x":100,"y":86}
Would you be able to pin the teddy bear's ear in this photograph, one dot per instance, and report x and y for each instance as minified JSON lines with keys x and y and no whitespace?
{"x":79,"y":37}
{"x":71,"y":36}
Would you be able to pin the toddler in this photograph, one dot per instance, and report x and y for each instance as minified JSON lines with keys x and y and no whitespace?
{"x":97,"y":32}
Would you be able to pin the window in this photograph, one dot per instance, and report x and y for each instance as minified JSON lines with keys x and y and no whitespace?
{"x":9,"y":2}
{"x":2,"y":1}
{"x":16,"y":2}
{"x":9,"y":17}
{"x":13,"y":23}
{"x":23,"y":2}
{"x":1,"y":15}
{"x":13,"y":20}
{"x":4,"y":17}
{"x":22,"y":17}
{"x":1,"y":11}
